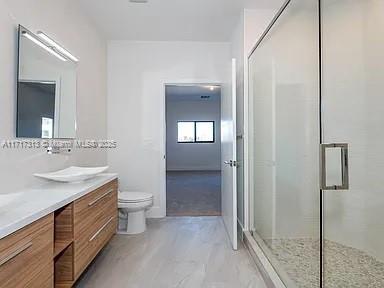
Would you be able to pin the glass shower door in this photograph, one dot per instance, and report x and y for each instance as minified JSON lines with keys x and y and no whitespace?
{"x":284,"y":125}
{"x":353,"y":113}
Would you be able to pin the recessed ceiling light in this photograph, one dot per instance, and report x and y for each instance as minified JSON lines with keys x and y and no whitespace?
{"x":138,"y":1}
{"x":211,"y":87}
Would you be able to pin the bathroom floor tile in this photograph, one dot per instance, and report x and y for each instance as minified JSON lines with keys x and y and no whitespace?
{"x":178,"y":252}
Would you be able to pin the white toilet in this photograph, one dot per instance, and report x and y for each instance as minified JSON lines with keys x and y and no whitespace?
{"x":132,"y":207}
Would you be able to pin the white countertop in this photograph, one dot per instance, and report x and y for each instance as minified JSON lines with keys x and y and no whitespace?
{"x":19,"y":209}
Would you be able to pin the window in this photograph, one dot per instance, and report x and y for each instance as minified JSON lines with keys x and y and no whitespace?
{"x":196,"y":132}
{"x":205,"y":132}
{"x":186,"y":132}
{"x":46,"y":128}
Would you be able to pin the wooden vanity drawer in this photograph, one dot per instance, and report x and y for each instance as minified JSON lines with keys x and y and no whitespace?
{"x":93,"y":224}
{"x":99,"y":240}
{"x":89,"y":206}
{"x":26,"y":256}
{"x":44,"y":279}
{"x":94,"y":239}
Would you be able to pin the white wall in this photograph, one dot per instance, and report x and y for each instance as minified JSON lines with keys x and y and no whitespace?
{"x":64,"y":22}
{"x":137,"y":73}
{"x":255,"y":23}
{"x":193,"y":156}
{"x":237,"y":50}
{"x":250,"y":26}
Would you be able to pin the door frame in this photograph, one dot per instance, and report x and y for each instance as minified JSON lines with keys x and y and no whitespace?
{"x":163,"y":168}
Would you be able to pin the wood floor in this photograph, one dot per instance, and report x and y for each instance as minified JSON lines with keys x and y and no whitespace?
{"x":193,"y":193}
{"x":176,"y":252}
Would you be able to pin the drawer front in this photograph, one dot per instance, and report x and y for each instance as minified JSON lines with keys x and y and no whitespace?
{"x":89,"y":246}
{"x":100,"y":239}
{"x":95,"y":222}
{"x":44,"y":279}
{"x":26,"y":253}
{"x":87,"y":229}
{"x":89,"y":207}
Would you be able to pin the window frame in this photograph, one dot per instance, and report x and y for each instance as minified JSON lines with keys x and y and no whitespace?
{"x":195,"y":130}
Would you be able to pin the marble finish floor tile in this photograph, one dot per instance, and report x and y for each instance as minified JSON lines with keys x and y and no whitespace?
{"x":179,"y":252}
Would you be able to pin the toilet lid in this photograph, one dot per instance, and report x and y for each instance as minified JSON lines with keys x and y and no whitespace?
{"x":129,"y":197}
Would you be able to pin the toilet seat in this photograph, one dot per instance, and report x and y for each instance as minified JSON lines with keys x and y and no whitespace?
{"x":134,"y":197}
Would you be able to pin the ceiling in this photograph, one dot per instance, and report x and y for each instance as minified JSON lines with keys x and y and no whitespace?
{"x":169,"y":20}
{"x":193,"y":93}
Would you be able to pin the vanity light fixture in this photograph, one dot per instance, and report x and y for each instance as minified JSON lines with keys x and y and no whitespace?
{"x":56,"y":46}
{"x":42,"y":45}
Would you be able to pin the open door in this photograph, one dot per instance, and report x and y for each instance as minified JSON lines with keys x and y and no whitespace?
{"x":228,"y":155}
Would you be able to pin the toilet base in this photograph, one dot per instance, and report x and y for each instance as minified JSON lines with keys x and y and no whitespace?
{"x":135,"y":224}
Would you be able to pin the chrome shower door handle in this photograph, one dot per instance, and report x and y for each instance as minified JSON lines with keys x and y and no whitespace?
{"x":344,"y":166}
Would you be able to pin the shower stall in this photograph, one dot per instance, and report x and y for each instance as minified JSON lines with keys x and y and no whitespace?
{"x":316,"y":143}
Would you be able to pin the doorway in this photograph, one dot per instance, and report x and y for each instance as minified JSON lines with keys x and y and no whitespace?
{"x":193,"y":150}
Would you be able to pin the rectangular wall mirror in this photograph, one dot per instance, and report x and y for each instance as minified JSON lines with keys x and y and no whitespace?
{"x":46,"y":89}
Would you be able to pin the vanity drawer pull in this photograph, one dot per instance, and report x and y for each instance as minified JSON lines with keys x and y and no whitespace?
{"x":15,"y":253}
{"x":101,"y":197}
{"x":101,"y":229}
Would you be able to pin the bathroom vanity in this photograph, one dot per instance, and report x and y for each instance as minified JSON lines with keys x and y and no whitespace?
{"x":50,"y":234}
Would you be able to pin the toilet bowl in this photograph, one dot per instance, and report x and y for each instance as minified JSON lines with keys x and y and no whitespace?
{"x":132,"y":207}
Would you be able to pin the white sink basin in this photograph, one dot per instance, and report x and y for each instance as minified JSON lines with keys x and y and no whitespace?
{"x":73,"y":174}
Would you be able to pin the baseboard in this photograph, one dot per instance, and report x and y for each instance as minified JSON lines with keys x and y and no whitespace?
{"x":268,"y":273}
